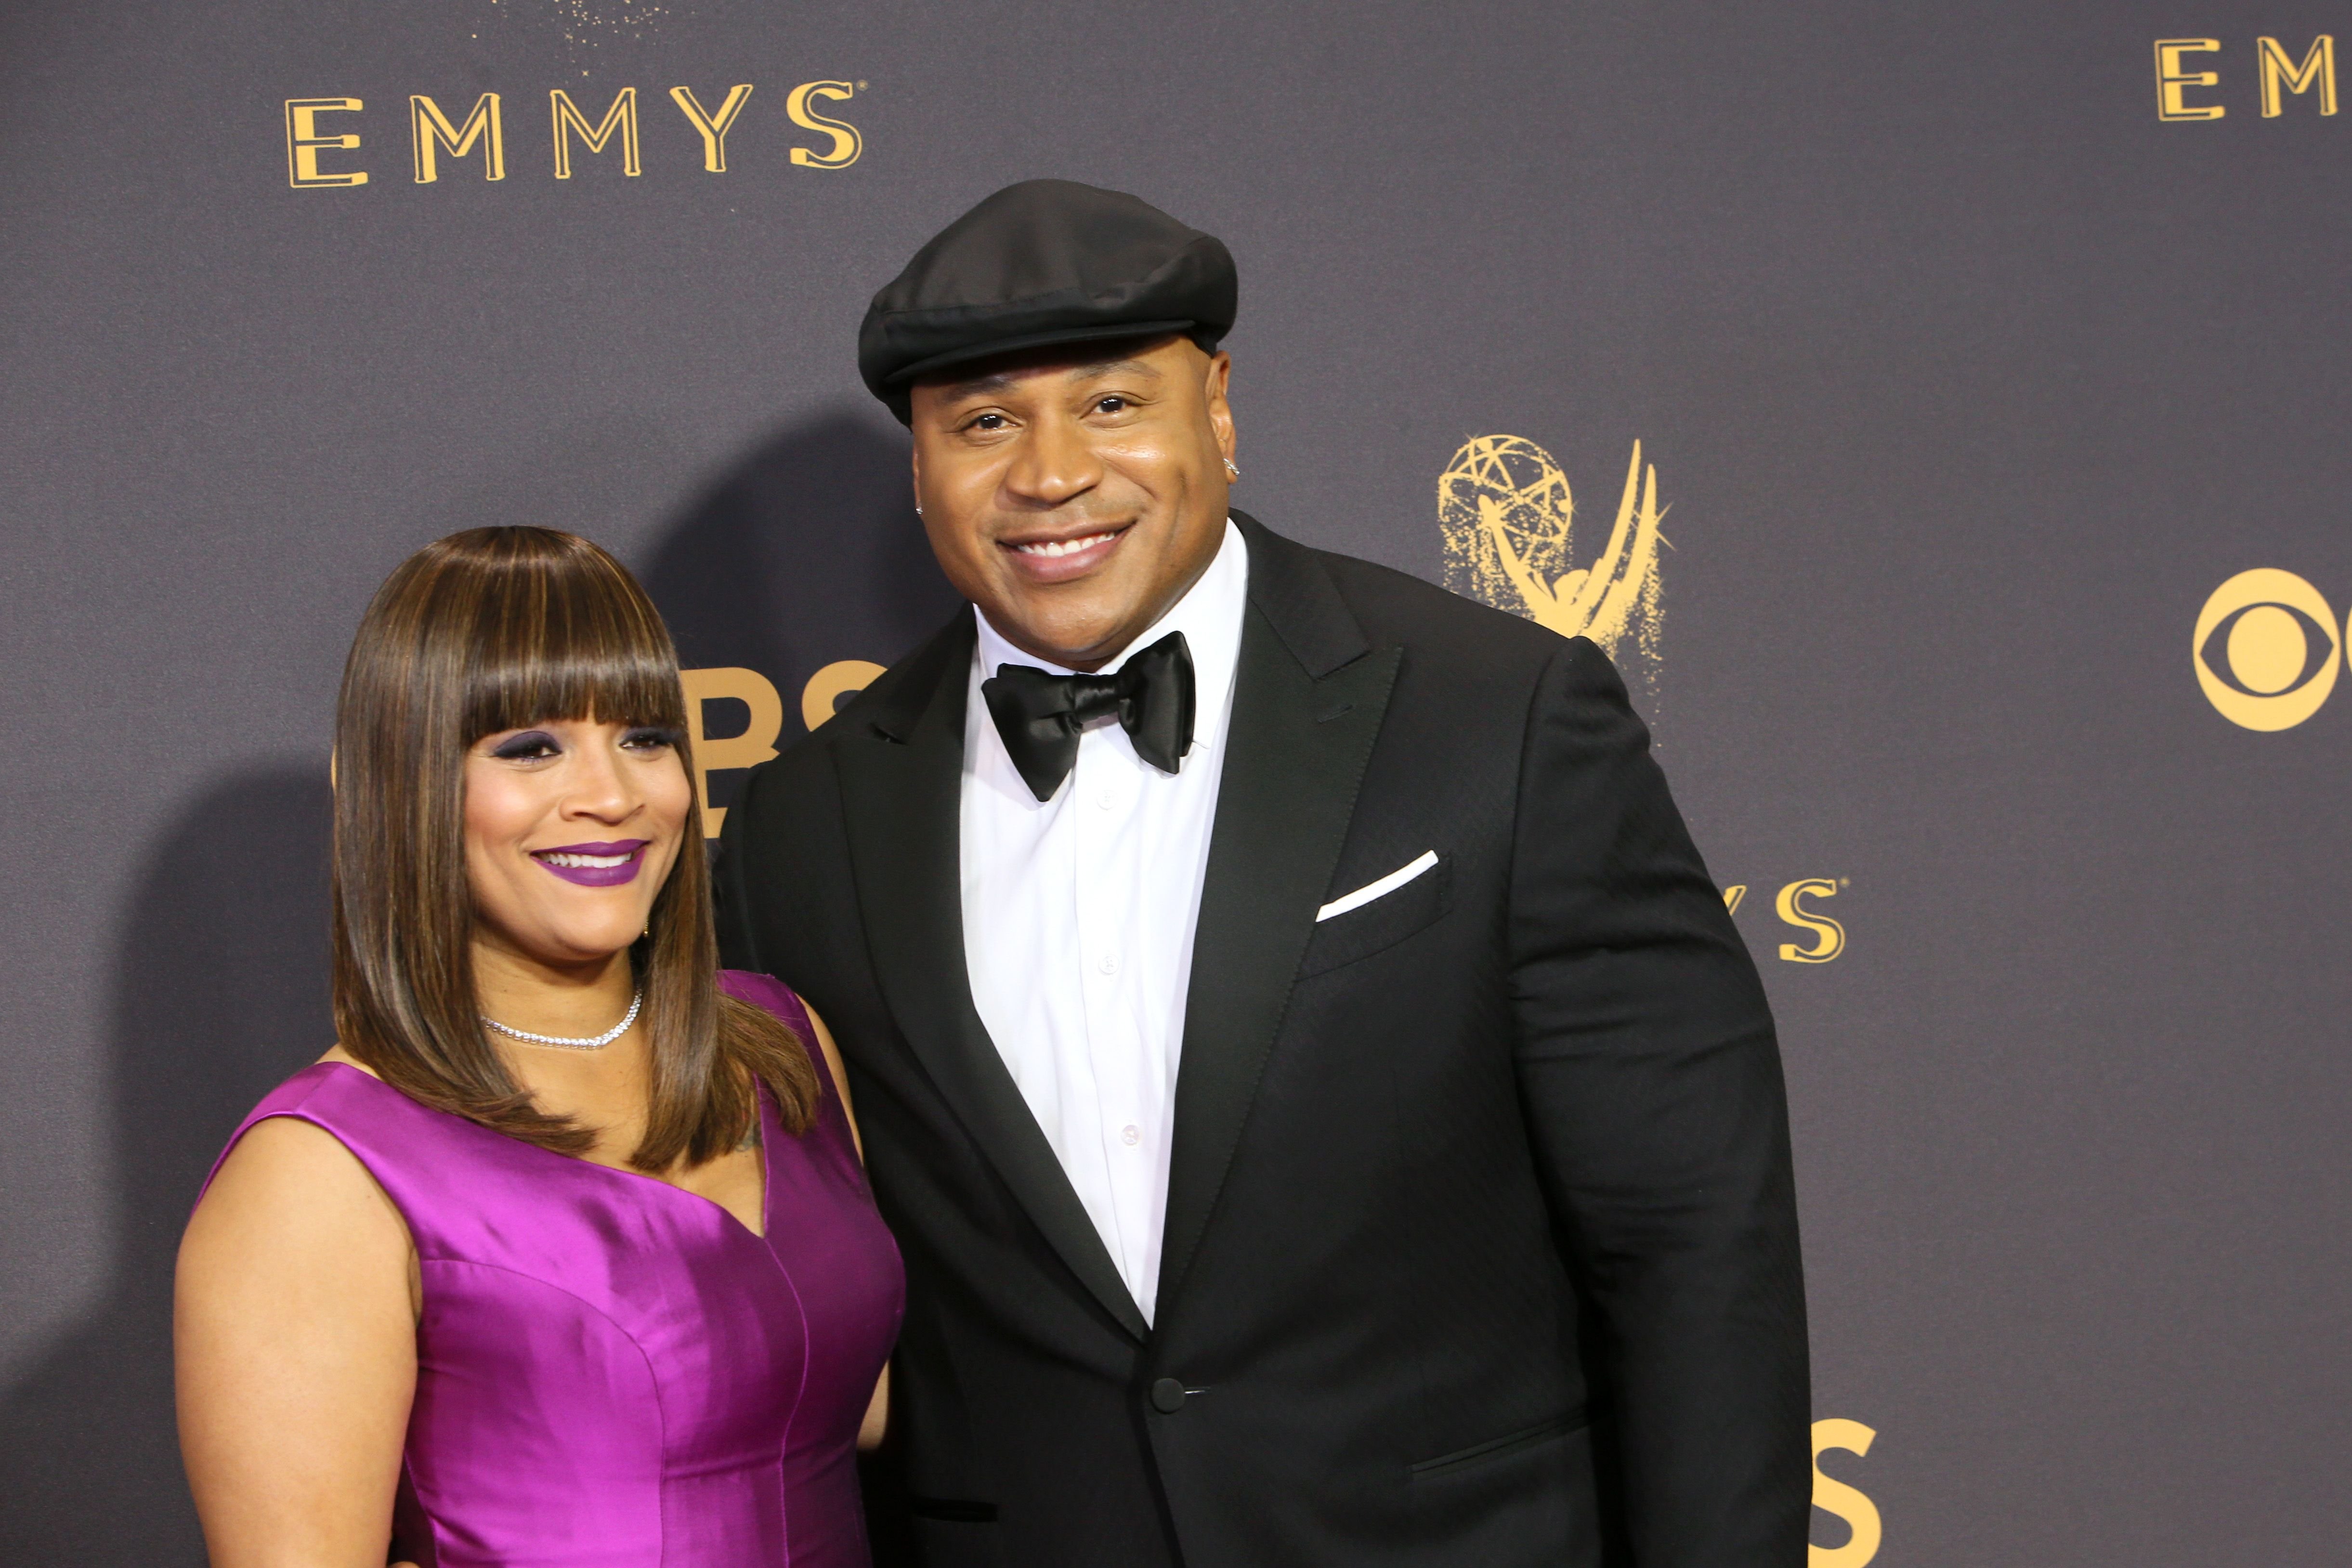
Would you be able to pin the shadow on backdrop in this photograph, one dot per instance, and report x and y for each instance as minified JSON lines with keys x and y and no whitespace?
{"x":805,"y":552}
{"x":219,"y":992}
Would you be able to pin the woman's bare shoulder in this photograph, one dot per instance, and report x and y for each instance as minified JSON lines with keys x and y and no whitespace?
{"x":285,"y":1159}
{"x":289,"y":1182}
{"x":293,"y":1179}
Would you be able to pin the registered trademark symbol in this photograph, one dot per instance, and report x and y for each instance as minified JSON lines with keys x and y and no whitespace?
{"x":861,"y":87}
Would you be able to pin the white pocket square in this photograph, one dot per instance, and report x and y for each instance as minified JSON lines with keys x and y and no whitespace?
{"x":1382,"y":889}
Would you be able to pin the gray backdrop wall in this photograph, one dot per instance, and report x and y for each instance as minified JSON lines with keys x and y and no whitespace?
{"x":1975,"y":348}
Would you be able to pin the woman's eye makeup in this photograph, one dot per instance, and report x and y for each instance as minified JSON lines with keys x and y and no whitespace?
{"x":538,"y":745}
{"x":527,"y":746}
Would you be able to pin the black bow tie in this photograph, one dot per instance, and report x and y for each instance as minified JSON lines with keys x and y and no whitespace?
{"x":1040,"y":716}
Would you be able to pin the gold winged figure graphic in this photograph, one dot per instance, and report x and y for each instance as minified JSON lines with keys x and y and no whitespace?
{"x":1507,"y":516}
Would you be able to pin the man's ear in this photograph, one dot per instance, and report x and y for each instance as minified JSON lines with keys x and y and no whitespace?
{"x":915,"y":465}
{"x":1220,"y":412}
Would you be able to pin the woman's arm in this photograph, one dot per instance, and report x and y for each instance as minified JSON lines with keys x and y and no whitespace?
{"x":295,"y":1335}
{"x":877,"y":1413}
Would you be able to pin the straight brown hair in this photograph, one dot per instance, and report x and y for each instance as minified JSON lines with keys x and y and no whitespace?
{"x":494,"y":629}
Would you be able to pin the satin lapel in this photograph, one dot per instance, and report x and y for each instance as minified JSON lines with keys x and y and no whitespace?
{"x":1294,"y":757}
{"x":900,"y":780}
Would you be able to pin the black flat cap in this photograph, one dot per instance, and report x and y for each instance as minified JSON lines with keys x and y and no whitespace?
{"x":1043,"y":263}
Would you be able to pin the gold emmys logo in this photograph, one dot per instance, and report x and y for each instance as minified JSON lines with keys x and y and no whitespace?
{"x":2277,"y":73}
{"x":432,"y":133}
{"x":1505,"y":518}
{"x":2266,"y":650}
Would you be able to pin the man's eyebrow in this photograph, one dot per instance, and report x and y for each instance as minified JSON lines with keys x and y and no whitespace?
{"x":997,"y":380}
{"x":1120,"y":367}
{"x":979,"y":384}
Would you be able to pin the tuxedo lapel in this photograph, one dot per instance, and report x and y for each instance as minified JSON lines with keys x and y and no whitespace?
{"x":900,"y":782}
{"x":1308,"y":697}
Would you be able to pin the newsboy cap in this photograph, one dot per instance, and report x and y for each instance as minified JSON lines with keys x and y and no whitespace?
{"x":1043,"y":263}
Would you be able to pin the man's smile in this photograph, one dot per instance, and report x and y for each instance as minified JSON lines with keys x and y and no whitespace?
{"x":1058,"y":560}
{"x":1064,"y":546}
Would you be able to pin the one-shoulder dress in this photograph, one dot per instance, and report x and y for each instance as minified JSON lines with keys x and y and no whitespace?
{"x":612,"y":1371}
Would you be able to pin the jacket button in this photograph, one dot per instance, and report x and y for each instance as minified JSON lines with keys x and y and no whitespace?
{"x":1168,"y":1396}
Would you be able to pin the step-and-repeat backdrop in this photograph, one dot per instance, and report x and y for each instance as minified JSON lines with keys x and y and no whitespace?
{"x":1940,"y":413}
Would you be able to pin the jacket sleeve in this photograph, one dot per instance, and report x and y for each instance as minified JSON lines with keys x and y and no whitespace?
{"x":730,"y":894}
{"x":1652,"y":1080}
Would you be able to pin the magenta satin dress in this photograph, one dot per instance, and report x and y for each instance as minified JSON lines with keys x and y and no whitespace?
{"x":612,"y":1371}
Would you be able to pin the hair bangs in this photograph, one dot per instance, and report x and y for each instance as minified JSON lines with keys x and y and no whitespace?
{"x":569,"y":638}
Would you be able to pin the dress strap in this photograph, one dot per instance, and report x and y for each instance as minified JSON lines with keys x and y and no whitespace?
{"x":778,"y":999}
{"x":773,"y":995}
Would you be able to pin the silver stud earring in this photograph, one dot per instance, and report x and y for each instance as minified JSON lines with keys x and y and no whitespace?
{"x":1236,"y":473}
{"x":919,"y":511}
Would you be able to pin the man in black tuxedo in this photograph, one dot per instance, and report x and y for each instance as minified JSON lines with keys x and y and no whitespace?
{"x":1327,"y":1112}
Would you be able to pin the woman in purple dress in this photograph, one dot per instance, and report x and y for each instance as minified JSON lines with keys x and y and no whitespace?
{"x":564,"y":1255}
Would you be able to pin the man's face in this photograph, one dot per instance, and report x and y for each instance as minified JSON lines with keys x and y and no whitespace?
{"x":1076,"y":495}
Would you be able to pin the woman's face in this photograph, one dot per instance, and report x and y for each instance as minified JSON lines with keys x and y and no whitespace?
{"x":571,"y":828}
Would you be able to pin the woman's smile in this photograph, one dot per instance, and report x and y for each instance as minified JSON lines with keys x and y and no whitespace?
{"x":596,"y":865}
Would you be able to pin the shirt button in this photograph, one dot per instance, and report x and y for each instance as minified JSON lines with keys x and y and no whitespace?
{"x":1107,"y":963}
{"x":1129,"y":1135}
{"x":1108,"y":799}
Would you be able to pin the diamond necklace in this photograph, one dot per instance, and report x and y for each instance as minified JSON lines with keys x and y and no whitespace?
{"x":593,"y":1043}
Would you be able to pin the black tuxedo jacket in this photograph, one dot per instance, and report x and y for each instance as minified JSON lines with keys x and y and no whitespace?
{"x":1481,"y":1247}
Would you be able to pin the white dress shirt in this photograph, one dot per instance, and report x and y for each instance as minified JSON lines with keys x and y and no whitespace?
{"x":1078,"y":915}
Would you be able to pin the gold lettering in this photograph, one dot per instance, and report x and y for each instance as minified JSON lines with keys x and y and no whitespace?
{"x":429,"y":129}
{"x":303,"y":141}
{"x":828,"y":686}
{"x":1829,"y":936}
{"x":622,"y":117}
{"x":2171,"y":82}
{"x":1834,"y":1497}
{"x":1731,"y":897}
{"x":712,"y":126}
{"x":2318,"y":65}
{"x":755,"y":746}
{"x":847,"y":143}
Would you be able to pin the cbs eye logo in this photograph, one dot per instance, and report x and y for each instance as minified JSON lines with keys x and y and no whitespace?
{"x":2266,"y":650}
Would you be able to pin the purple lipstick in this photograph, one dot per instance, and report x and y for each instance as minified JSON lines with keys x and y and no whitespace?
{"x":596,"y":865}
